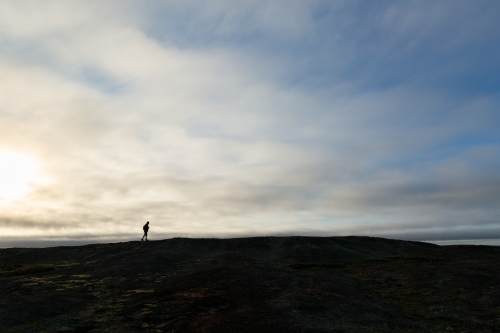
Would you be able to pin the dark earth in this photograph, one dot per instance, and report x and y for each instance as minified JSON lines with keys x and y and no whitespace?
{"x":262,"y":284}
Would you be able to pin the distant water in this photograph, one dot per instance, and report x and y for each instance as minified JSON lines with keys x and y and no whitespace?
{"x":493,"y":242}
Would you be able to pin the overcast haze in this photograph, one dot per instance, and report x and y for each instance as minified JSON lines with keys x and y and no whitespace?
{"x":229,"y":119}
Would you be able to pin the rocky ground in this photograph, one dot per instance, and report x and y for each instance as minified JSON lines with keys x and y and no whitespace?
{"x":263,"y":284}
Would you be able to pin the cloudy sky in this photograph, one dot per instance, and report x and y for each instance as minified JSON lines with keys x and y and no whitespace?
{"x":234,"y":118}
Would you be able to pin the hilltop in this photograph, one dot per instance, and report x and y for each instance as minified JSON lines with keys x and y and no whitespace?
{"x":261,"y":284}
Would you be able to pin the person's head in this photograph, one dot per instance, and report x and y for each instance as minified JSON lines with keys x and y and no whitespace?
{"x":147,"y":222}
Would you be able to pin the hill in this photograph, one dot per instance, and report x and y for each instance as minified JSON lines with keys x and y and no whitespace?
{"x":262,"y":284}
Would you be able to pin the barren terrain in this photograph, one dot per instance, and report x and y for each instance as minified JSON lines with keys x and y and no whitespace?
{"x":262,"y":284}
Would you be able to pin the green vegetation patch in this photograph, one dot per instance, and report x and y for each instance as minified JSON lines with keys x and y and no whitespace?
{"x":140,"y":291}
{"x":81,"y":276}
{"x":15,"y":270}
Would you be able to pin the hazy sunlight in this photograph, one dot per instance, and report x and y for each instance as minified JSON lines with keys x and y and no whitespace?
{"x":16,"y":172}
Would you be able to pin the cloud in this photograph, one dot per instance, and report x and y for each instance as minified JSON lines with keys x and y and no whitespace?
{"x":251,"y":118}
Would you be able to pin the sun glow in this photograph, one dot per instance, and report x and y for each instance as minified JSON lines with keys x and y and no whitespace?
{"x":17,"y":171}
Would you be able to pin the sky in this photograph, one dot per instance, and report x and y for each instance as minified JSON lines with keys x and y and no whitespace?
{"x":249,"y":118}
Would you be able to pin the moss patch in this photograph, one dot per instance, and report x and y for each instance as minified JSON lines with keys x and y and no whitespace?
{"x":15,"y":270}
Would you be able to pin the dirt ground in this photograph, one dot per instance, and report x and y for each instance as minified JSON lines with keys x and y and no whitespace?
{"x":262,"y":284}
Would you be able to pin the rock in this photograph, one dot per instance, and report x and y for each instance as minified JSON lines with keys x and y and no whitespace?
{"x":262,"y":284}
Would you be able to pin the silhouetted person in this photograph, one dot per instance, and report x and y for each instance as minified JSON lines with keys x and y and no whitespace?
{"x":145,"y":228}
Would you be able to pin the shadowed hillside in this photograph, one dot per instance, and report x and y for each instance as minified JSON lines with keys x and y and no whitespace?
{"x":263,"y":284}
